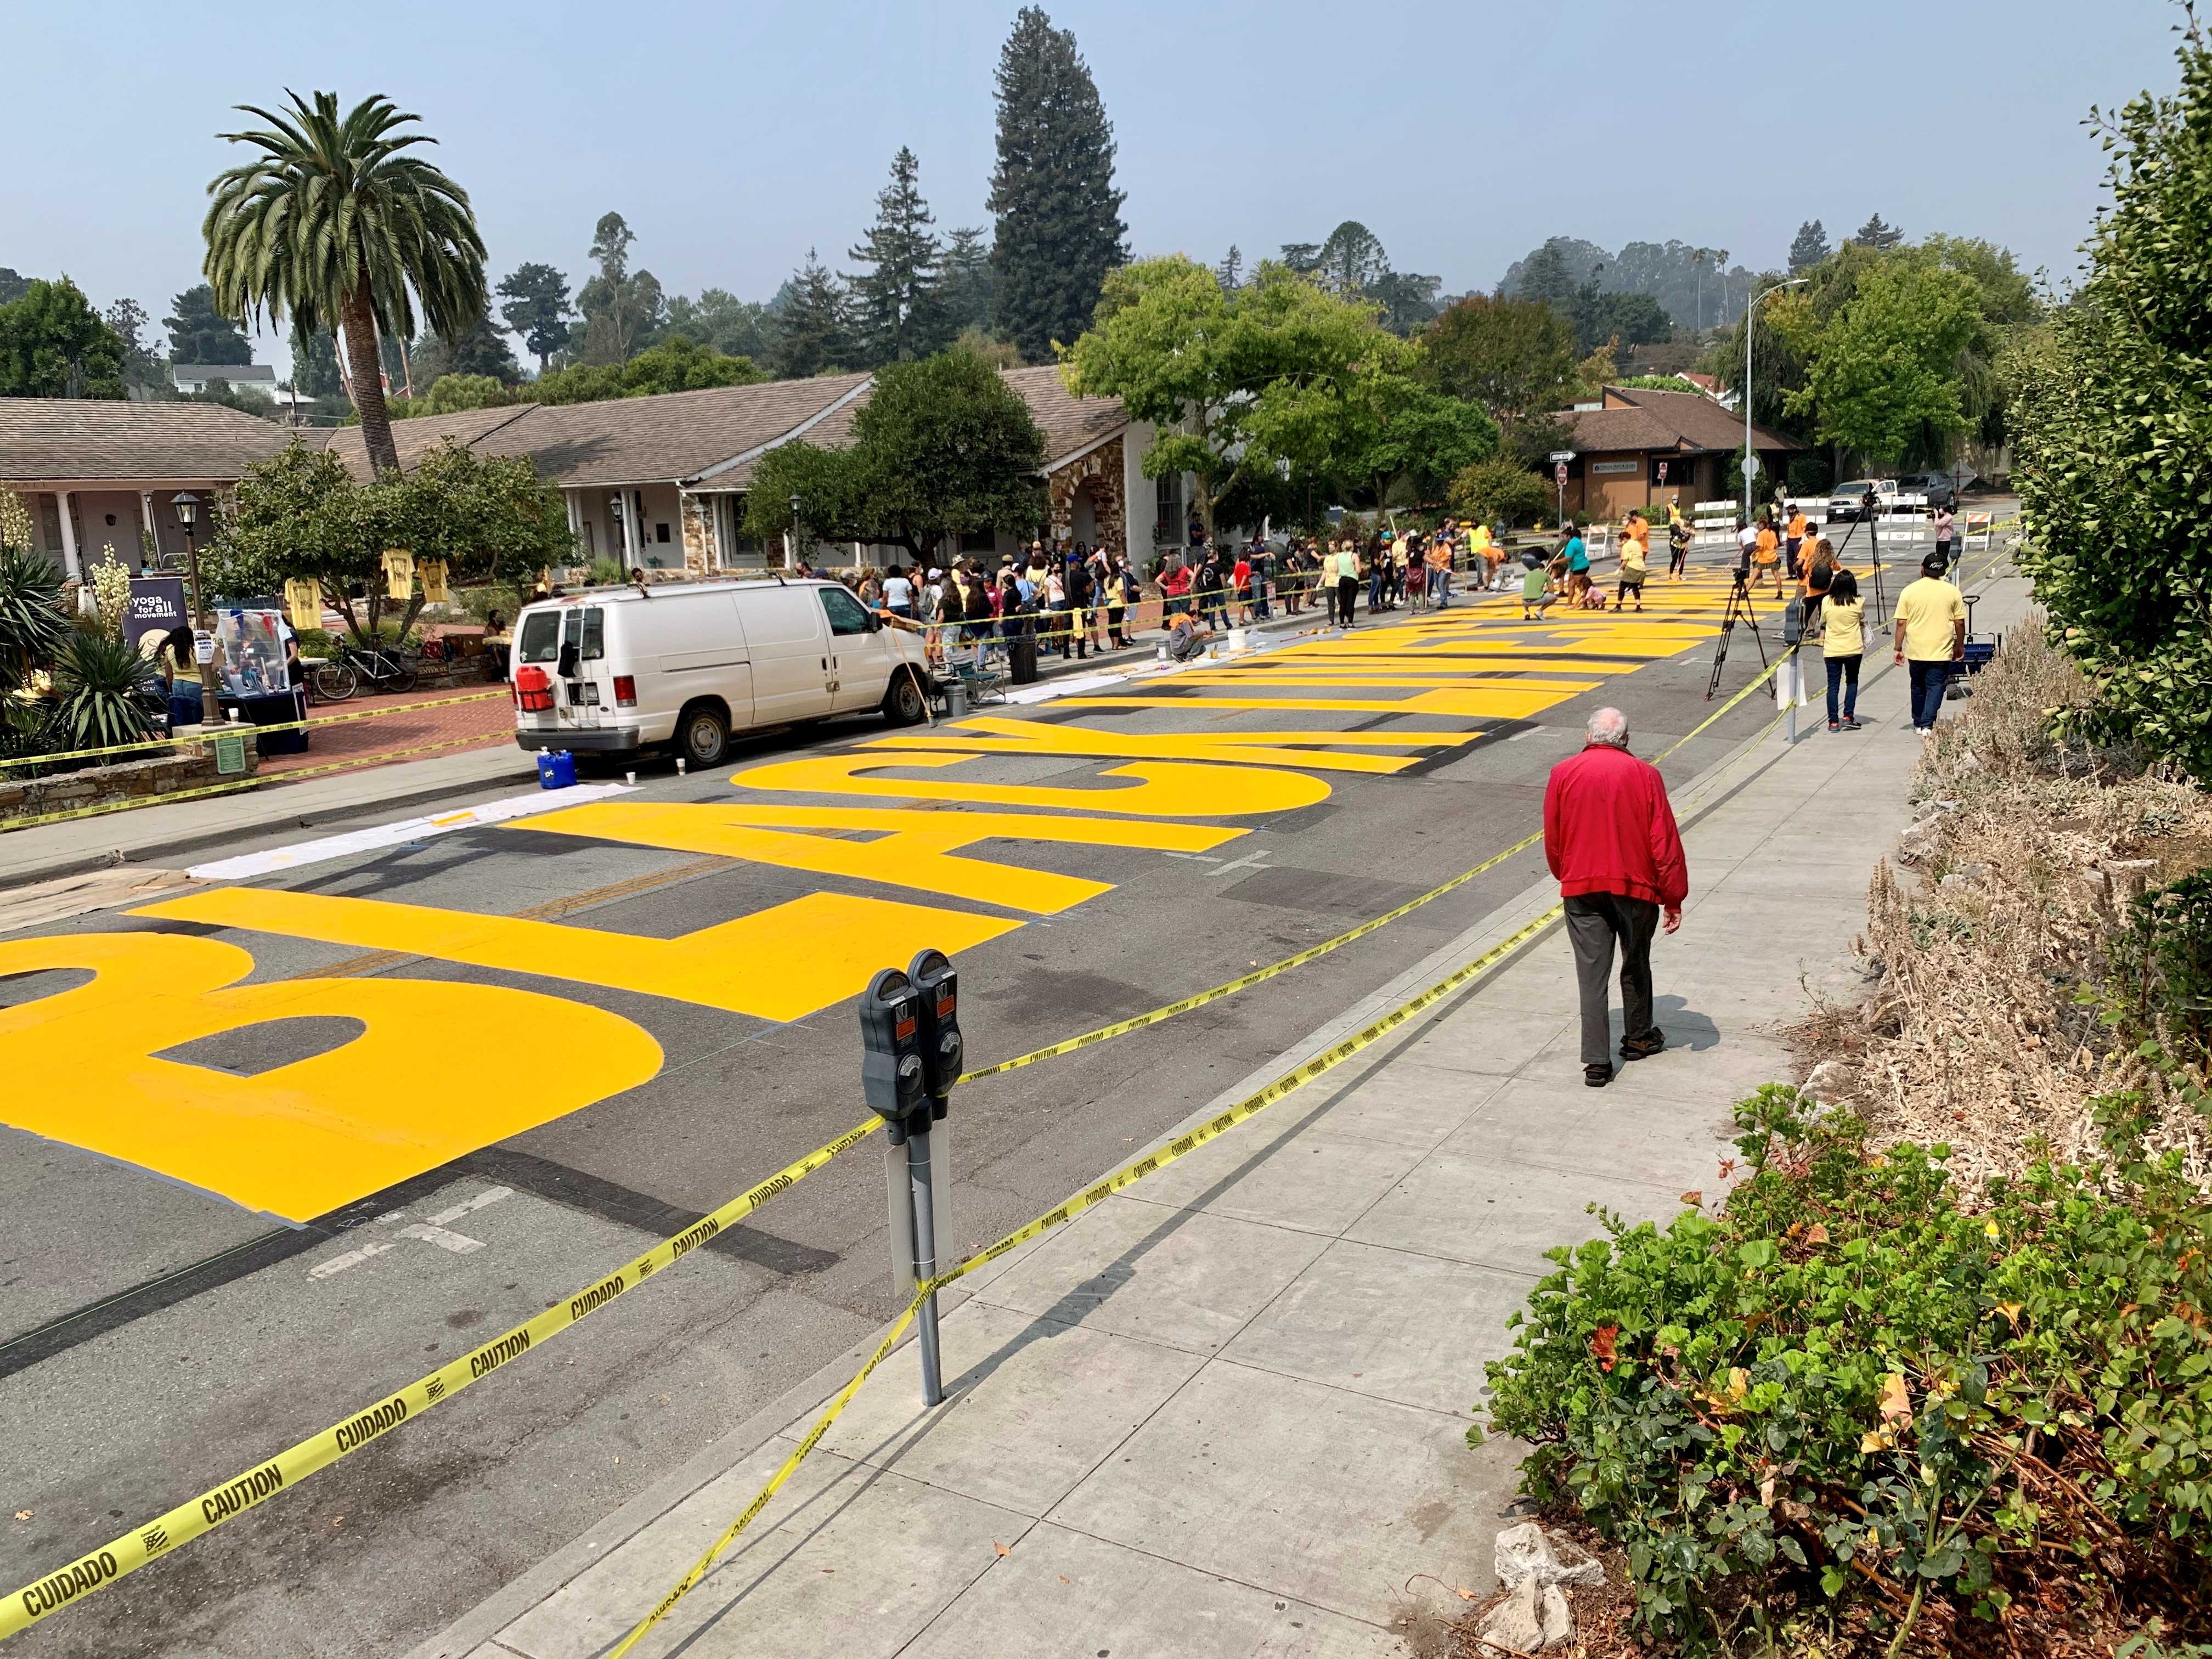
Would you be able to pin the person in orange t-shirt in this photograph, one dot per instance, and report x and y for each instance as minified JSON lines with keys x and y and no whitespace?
{"x":1766,"y":555}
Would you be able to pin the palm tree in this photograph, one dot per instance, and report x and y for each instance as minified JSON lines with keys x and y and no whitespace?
{"x":333,"y":226}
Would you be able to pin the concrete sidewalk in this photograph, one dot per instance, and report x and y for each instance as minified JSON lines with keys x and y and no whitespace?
{"x":1225,"y":1412}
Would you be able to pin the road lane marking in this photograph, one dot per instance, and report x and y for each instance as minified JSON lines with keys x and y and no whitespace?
{"x":1172,"y":789}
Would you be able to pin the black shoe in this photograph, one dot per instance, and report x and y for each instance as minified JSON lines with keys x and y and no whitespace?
{"x":1653,"y":1042}
{"x":1597,"y":1076}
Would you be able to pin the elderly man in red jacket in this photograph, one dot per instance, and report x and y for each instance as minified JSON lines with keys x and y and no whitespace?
{"x":1610,"y":837}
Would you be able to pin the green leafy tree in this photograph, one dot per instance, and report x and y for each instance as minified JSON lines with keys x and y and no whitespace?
{"x":1884,"y":374}
{"x":1500,"y":490}
{"x":315,"y":364}
{"x":1413,"y":441}
{"x":12,"y":284}
{"x":142,"y":371}
{"x":624,"y":311}
{"x":1229,"y":273}
{"x":1810,"y":246}
{"x":335,"y":225}
{"x":198,"y":333}
{"x":943,"y":446}
{"x":1547,"y":276}
{"x":674,"y":365}
{"x":1407,"y":300}
{"x":1235,"y":385}
{"x":813,"y":332}
{"x":302,"y":514}
{"x":1515,"y":357}
{"x":536,"y":307}
{"x":482,"y":349}
{"x":54,"y":344}
{"x":2112,"y":413}
{"x":896,"y":314}
{"x":1059,"y":216}
{"x":1349,"y":263}
{"x":449,"y":394}
{"x":719,"y":321}
{"x":965,"y":290}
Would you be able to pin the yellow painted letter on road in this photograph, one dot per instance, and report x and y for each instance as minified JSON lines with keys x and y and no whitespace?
{"x":438,"y":1069}
{"x":1006,"y":736}
{"x":782,"y":963}
{"x":1167,"y":789}
{"x":913,"y":848}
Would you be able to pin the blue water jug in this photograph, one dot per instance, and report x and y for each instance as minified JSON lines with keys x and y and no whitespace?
{"x":557,"y":769}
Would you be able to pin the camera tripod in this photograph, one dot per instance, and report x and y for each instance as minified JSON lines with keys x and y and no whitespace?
{"x":1874,"y":537}
{"x":1738,"y":611}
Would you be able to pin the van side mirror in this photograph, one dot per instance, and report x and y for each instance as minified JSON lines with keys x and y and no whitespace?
{"x":567,"y":665}
{"x":875,"y":624}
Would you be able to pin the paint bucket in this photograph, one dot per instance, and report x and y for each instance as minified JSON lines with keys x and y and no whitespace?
{"x":1235,"y":639}
{"x":557,"y":769}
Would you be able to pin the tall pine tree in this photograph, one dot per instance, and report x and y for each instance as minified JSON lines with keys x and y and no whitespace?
{"x":812,"y":336}
{"x":1810,"y":247}
{"x":896,"y":310}
{"x":1060,"y":227}
{"x":965,"y":291}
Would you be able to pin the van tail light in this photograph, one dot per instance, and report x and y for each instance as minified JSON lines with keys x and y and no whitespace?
{"x":533,"y":690}
{"x":625,"y":691}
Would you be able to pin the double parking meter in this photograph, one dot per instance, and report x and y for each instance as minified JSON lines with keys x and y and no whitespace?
{"x":911,"y":1058}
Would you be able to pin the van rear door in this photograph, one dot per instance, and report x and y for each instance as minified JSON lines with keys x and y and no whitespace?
{"x":537,"y":649}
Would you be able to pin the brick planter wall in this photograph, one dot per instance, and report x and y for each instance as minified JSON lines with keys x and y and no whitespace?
{"x":104,"y":785}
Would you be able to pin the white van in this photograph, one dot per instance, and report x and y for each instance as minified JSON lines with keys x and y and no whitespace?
{"x":684,"y":665}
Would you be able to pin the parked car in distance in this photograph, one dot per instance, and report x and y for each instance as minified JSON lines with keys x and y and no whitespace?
{"x":1941,"y":488}
{"x":1847,"y":502}
{"x":686,"y":664}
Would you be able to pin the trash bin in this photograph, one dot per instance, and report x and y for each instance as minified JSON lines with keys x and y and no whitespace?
{"x":557,"y":769}
{"x":956,"y":698}
{"x":1021,"y":654}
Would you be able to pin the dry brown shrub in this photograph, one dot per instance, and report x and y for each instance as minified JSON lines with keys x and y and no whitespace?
{"x":2009,"y":886}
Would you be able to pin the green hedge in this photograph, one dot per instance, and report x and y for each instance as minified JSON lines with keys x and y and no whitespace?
{"x":1845,"y":1392}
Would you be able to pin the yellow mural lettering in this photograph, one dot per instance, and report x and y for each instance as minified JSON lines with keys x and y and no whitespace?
{"x":780,"y":964}
{"x":1506,"y":699}
{"x":1165,"y":789}
{"x":301,"y":1139}
{"x":1008,"y":737}
{"x":913,"y":848}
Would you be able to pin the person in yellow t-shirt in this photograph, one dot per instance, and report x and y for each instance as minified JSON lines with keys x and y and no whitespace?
{"x":1931,"y":635}
{"x":1635,"y":559}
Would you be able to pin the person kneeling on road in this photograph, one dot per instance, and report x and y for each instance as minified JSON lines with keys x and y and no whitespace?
{"x":1187,"y":638}
{"x":1610,"y":838}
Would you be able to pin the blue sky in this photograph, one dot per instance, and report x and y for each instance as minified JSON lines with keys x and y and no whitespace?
{"x":1462,"y":131}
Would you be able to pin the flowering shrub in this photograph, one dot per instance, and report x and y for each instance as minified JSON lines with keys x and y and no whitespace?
{"x":1844,"y":1396}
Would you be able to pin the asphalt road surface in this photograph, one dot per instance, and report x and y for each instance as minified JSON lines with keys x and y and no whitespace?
{"x":290,"y":1143}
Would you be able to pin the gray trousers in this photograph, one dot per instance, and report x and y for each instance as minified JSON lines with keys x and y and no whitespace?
{"x":1595,"y":922}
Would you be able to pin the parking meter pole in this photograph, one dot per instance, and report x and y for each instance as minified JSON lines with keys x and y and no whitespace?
{"x":937,"y":987}
{"x":925,"y":1265}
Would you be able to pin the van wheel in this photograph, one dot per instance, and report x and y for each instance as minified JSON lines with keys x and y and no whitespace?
{"x":702,"y":735}
{"x":903,"y":702}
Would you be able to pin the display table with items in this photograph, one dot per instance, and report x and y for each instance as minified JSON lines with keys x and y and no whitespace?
{"x":255,"y":680}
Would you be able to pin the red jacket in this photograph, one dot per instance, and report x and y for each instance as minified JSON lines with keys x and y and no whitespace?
{"x":1607,"y":828}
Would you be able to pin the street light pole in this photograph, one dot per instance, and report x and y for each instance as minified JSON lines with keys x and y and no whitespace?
{"x":1750,"y":311}
{"x":187,"y":507}
{"x":794,"y":532}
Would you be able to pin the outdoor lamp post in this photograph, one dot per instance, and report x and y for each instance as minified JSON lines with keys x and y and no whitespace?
{"x":187,"y":507}
{"x":794,"y":532}
{"x":1750,"y":310}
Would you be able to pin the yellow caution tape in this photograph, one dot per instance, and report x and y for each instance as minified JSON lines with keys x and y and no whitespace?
{"x":312,"y":721}
{"x":1328,"y":1061}
{"x":224,"y":1503}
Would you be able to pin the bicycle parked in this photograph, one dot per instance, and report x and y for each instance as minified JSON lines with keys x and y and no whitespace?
{"x":386,"y":670}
